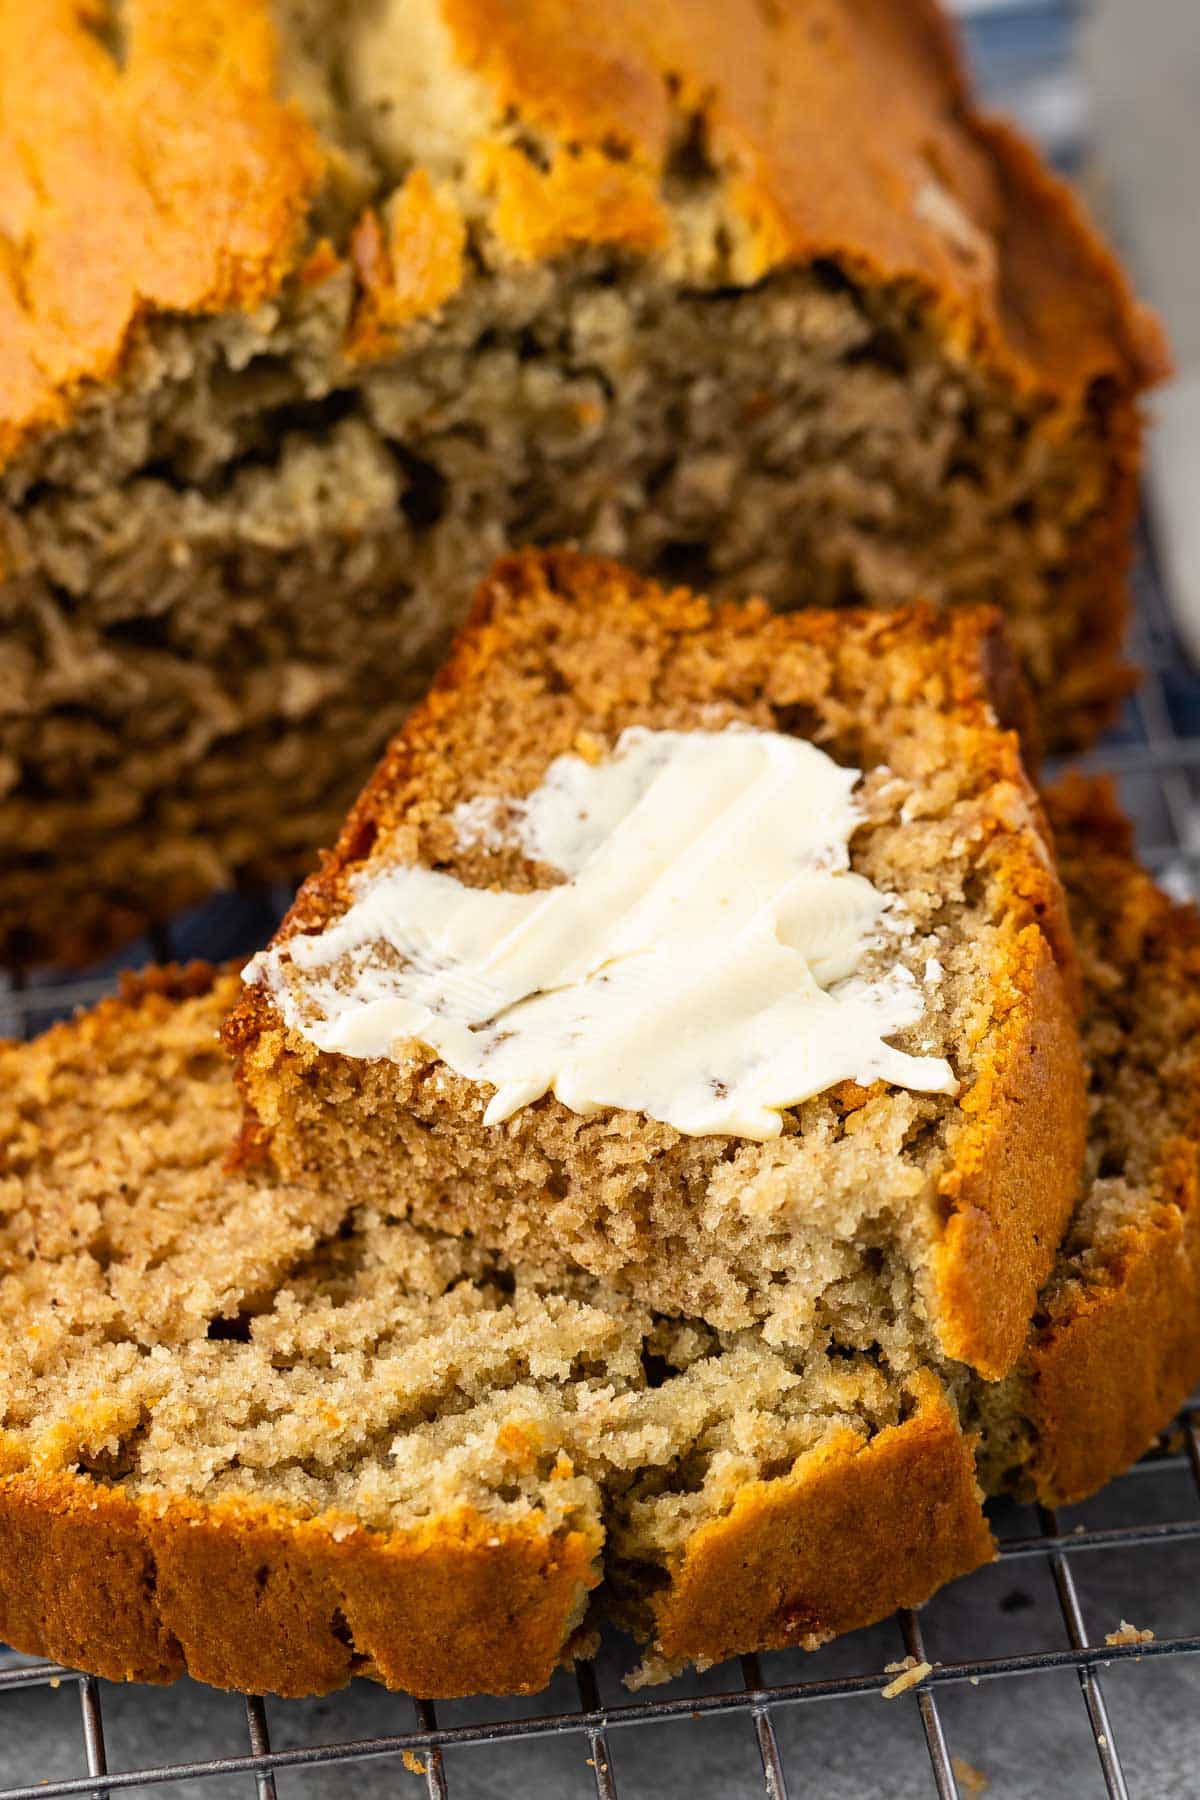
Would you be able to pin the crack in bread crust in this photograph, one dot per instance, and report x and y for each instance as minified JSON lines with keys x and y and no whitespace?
{"x":852,"y":1532}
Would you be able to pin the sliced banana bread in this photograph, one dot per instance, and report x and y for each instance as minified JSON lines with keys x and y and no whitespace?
{"x":948,"y":1203}
{"x":317,"y":307}
{"x":276,"y":1440}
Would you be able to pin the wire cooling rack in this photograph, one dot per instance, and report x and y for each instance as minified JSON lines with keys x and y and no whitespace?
{"x":756,"y":1699}
{"x":1025,"y":1697}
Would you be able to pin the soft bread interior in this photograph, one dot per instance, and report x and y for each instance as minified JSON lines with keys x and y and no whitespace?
{"x":171,"y":1330}
{"x":232,"y":573}
{"x":179,"y":1332}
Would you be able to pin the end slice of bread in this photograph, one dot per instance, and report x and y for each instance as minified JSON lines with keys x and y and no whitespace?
{"x":950,"y":1208}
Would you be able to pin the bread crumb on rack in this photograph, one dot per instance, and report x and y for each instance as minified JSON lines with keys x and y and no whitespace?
{"x":908,"y":1674}
{"x":1128,"y":1634}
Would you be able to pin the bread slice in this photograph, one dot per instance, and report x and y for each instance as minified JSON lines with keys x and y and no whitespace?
{"x":203,"y":1379}
{"x":1115,"y":1345}
{"x":275,"y":1439}
{"x":317,"y":307}
{"x":942,"y":1212}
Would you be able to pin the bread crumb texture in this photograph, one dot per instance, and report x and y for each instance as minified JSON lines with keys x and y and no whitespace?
{"x":937,"y":1215}
{"x":277,"y":1438}
{"x":301,"y":1439}
{"x":317,"y":308}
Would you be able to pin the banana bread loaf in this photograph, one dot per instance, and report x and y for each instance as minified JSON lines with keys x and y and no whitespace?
{"x":315,"y":308}
{"x":863,"y":1189}
{"x":277,"y":1439}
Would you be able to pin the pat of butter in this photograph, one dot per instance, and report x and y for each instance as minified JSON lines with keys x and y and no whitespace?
{"x":700,"y":963}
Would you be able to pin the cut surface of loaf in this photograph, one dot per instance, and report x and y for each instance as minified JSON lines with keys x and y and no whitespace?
{"x":746,"y":294}
{"x":940,"y":1210}
{"x":276,"y":1439}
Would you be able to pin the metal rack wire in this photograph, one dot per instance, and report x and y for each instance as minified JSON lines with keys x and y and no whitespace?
{"x":1155,"y":756}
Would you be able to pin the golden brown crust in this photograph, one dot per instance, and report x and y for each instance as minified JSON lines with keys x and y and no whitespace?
{"x":1014,"y":1158}
{"x":1014,"y":1182}
{"x":180,"y":187}
{"x":1103,"y":1381}
{"x":1117,"y":1351}
{"x":585,"y":199}
{"x":78,"y":1580}
{"x":407,"y":271}
{"x":855,"y":1530}
{"x":843,"y":129}
{"x":250,"y":1597}
{"x":839,"y":129}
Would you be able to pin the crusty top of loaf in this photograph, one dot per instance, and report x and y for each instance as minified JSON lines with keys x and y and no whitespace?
{"x":174,"y":184}
{"x":843,"y":129}
{"x":826,"y":129}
